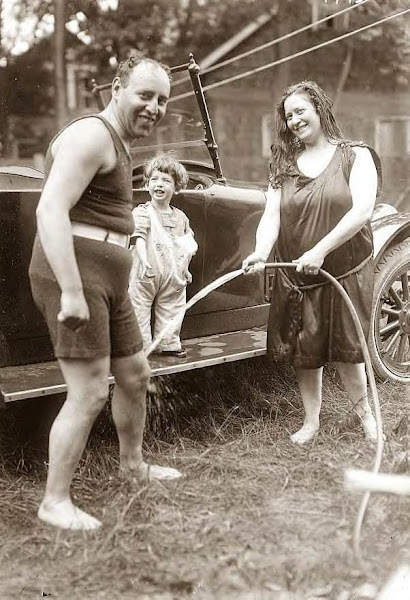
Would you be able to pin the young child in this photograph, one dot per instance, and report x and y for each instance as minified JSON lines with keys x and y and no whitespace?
{"x":164,"y":247}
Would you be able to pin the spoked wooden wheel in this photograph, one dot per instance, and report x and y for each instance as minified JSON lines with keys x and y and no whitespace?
{"x":389,"y":342}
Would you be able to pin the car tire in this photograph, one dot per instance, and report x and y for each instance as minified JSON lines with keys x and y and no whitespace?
{"x":389,"y":340}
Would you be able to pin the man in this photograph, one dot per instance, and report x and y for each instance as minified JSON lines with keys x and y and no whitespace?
{"x":79,"y":277}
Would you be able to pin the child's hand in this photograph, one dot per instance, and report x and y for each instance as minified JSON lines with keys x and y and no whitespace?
{"x":144,"y":266}
{"x":187,"y":276}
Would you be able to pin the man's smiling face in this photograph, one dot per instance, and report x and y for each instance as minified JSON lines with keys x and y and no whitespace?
{"x":141,"y":103}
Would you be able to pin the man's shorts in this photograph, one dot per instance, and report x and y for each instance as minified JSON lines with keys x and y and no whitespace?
{"x":112,"y":329}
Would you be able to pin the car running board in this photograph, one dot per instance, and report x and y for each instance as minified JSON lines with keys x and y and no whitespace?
{"x":45,"y":379}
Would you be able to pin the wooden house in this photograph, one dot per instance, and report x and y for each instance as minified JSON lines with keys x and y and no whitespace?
{"x":368,"y":107}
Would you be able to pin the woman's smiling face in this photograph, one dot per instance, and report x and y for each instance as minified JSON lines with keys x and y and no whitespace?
{"x":302,"y":118}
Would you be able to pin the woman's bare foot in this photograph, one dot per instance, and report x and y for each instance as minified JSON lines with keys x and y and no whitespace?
{"x":305,"y":434}
{"x":369,"y":427}
{"x":67,"y":516}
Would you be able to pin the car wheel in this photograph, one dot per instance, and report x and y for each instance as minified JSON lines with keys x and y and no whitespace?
{"x":389,"y":343}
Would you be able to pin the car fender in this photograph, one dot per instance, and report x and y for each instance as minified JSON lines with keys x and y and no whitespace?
{"x":389,"y":230}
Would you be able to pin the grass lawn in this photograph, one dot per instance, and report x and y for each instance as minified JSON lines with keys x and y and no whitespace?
{"x":254,"y":518}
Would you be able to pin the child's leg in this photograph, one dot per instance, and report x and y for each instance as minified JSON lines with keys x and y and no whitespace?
{"x":169,"y":304}
{"x":142,"y":294}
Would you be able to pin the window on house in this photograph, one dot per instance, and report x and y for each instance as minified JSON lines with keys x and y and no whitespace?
{"x":324,"y":8}
{"x":392,"y":135}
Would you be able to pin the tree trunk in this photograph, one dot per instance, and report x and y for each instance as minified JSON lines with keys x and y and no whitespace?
{"x":344,"y":74}
{"x":281,"y":73}
{"x":59,"y":64}
{"x":3,"y":92}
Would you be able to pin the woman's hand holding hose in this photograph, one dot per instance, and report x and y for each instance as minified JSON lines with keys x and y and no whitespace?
{"x":254,"y":263}
{"x":310,"y":262}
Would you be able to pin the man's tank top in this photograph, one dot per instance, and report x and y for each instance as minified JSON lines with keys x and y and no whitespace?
{"x":107,"y":201}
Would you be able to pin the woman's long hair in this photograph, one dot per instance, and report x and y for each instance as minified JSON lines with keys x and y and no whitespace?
{"x":287,"y":146}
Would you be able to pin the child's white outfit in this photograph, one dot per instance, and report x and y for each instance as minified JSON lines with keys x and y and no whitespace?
{"x":170,"y":246}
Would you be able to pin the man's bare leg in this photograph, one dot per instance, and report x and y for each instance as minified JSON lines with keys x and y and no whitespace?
{"x":310,"y":385}
{"x":354,"y":380}
{"x":131,"y":375}
{"x":87,"y":383}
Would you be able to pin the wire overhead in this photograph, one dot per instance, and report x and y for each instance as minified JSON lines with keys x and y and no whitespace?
{"x":291,"y":34}
{"x":291,"y":56}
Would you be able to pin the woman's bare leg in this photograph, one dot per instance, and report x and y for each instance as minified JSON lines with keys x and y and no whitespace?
{"x":87,"y":383}
{"x":310,"y":385}
{"x":354,"y":380}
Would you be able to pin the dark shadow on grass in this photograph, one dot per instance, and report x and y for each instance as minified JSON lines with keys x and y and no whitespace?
{"x":24,"y":430}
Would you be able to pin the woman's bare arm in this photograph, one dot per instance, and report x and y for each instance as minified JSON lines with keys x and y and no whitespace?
{"x":267,"y":231}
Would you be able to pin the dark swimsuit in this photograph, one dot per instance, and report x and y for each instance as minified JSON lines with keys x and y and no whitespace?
{"x":104,"y":268}
{"x":309,"y":323}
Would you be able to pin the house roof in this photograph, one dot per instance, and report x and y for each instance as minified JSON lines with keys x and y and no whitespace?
{"x":237,"y":39}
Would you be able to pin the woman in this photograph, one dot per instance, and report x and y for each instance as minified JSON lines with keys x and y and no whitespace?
{"x":320,"y":199}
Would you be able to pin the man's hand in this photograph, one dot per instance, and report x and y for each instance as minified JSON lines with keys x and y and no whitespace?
{"x":74,"y":311}
{"x":254,"y":263}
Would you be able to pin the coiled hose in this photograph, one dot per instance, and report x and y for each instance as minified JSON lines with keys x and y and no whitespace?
{"x":367,"y":360}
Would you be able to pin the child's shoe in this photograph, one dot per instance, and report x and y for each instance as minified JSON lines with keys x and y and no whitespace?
{"x":181,"y":353}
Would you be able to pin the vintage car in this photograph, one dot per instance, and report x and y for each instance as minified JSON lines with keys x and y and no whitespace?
{"x":227,"y":325}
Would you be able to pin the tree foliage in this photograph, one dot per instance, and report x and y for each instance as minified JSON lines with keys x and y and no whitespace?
{"x":386,"y":47}
{"x":169,"y":29}
{"x":165,"y":29}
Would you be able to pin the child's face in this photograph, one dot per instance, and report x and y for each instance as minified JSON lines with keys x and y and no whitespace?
{"x":161,"y":186}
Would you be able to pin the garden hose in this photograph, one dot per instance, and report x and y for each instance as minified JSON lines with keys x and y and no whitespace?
{"x":176,"y":321}
{"x":373,"y":389}
{"x":172,"y":325}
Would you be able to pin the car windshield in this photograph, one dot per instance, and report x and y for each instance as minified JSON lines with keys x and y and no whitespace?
{"x":182,"y":128}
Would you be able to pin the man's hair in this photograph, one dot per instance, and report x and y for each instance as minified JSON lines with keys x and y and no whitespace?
{"x":287,"y":146}
{"x":167,"y":162}
{"x":136,"y":58}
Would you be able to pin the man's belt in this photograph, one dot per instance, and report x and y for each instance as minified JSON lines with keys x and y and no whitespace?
{"x":100,"y":234}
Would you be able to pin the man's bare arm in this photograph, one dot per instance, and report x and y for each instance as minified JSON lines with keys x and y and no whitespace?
{"x":80,"y":151}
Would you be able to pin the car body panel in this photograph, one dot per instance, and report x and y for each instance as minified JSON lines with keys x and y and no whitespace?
{"x":232,"y":219}
{"x":23,"y":333}
{"x":389,"y":230}
{"x":45,"y":379}
{"x":224,"y":218}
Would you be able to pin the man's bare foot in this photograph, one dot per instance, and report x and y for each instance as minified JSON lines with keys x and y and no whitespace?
{"x":305,"y":434}
{"x":369,"y":427}
{"x":156,"y":472}
{"x":67,"y":516}
{"x":147,"y":473}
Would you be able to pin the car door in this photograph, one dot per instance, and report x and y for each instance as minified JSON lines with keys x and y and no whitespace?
{"x":232,"y":216}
